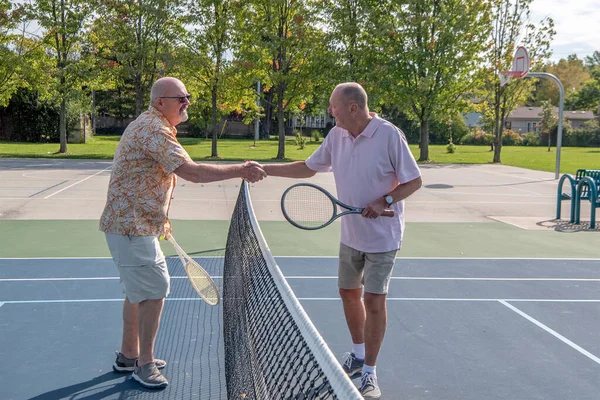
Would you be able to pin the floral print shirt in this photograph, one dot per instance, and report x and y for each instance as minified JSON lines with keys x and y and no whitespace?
{"x":142,"y":178}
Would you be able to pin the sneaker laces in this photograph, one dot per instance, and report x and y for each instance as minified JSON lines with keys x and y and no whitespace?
{"x":368,"y":380}
{"x":348,"y":358}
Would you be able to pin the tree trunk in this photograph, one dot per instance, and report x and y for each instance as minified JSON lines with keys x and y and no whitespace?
{"x":214,"y":152}
{"x":280,"y":124}
{"x":497,"y":129}
{"x":63,"y":126}
{"x":139,"y":96}
{"x":424,"y":141}
{"x":498,"y":141}
{"x":268,"y":113}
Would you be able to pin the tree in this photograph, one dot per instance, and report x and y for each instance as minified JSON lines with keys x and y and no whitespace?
{"x":281,"y":43}
{"x":509,"y":26}
{"x":588,"y":97}
{"x":64,"y":24}
{"x":549,"y":121}
{"x":349,"y":28}
{"x":136,"y":37}
{"x":10,"y":51}
{"x":208,"y":39}
{"x":429,"y":50}
{"x":572,"y":73}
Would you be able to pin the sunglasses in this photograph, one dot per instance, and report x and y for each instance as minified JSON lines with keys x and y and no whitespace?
{"x":182,"y":99}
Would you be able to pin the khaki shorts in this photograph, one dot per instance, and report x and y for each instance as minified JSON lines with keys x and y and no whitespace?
{"x":142,"y":266}
{"x":371,"y":270}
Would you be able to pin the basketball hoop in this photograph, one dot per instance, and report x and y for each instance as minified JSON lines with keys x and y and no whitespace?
{"x":506,"y":76}
{"x":520,"y":67}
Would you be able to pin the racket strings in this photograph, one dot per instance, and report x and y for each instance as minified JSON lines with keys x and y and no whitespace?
{"x":202,"y":282}
{"x":198,"y":277}
{"x":309,"y":207}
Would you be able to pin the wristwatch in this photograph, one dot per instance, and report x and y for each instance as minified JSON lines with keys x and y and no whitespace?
{"x":388,"y":199}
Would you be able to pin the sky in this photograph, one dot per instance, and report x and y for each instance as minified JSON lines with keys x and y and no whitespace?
{"x":577,"y":25}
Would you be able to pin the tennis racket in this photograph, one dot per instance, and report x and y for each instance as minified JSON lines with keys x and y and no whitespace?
{"x":310,"y":207}
{"x":199,"y":278}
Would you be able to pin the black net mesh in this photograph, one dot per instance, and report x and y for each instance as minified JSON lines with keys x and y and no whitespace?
{"x":266,"y":353}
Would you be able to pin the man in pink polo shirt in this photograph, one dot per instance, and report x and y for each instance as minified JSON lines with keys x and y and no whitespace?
{"x":373,"y":168}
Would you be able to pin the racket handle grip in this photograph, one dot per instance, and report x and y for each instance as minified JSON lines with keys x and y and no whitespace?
{"x":388,"y":213}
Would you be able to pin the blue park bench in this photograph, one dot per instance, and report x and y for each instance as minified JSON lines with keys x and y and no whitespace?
{"x":583,"y":186}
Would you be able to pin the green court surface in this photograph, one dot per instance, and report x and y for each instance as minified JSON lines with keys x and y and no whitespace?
{"x":76,"y":238}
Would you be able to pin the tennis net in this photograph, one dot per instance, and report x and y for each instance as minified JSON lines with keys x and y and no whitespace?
{"x":272,"y":349}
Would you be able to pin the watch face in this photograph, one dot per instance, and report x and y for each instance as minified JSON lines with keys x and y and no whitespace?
{"x":389,"y":200}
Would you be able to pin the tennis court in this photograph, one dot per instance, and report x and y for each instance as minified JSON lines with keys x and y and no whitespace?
{"x":490,"y":299}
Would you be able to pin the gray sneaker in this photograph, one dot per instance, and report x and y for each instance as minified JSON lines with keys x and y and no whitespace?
{"x":124,"y":364}
{"x":149,"y":376}
{"x":369,"y":387}
{"x":352,"y":365}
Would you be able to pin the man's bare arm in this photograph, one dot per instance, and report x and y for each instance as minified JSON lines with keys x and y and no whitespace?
{"x":205,"y":173}
{"x":296,"y":169}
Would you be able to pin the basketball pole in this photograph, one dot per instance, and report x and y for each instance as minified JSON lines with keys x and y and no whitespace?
{"x":561,"y":106}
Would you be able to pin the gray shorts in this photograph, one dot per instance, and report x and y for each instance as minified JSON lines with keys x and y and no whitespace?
{"x":373,"y":270}
{"x":142,"y":266}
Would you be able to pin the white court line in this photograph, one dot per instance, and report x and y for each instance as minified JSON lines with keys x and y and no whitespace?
{"x":491,"y":202}
{"x":463,"y":258}
{"x":89,"y":300}
{"x":553,"y":332}
{"x":1,"y":304}
{"x":77,"y":183}
{"x":449,"y":278}
{"x":464,"y":299}
{"x":328,"y":299}
{"x":451,"y":192}
{"x":538,"y":180}
{"x":411,"y":278}
{"x":328,"y":257}
{"x":100,"y":278}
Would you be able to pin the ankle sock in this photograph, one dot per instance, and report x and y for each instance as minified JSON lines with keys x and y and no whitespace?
{"x":369,"y":369}
{"x":359,"y":350}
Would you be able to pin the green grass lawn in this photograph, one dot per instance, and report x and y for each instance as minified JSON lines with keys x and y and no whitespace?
{"x":538,"y":158}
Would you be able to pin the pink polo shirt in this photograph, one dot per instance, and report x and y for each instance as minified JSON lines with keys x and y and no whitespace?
{"x":365,"y":168}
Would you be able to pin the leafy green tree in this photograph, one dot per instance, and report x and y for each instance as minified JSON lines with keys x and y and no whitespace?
{"x":64,"y":25}
{"x":509,"y":26}
{"x":572,"y":73}
{"x":588,"y":98}
{"x":204,"y":57}
{"x":135,"y":38}
{"x":428,"y":51}
{"x":10,"y":60}
{"x":549,"y":121}
{"x":283,"y":46}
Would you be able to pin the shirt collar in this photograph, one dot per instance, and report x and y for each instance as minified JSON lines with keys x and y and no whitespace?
{"x":162,"y":118}
{"x":369,"y":130}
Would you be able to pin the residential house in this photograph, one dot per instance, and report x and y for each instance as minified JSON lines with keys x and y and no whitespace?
{"x":473,"y":119}
{"x":528,"y":119}
{"x":307,"y":123}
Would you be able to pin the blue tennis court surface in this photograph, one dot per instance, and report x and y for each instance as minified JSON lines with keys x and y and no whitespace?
{"x":457,"y":329}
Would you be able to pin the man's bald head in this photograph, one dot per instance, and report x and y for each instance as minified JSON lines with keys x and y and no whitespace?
{"x":165,"y":87}
{"x":352,"y":92}
{"x":169,"y":96}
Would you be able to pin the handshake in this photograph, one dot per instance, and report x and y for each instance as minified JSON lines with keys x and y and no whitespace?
{"x":253,"y":172}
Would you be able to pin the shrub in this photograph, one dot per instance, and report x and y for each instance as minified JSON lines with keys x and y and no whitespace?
{"x":511,"y":138}
{"x":477,"y":137}
{"x":316,"y":135}
{"x":450,"y":148}
{"x":586,"y":136}
{"x":530,"y":139}
{"x":300,"y":140}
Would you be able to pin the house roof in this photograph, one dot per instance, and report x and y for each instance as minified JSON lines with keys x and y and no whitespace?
{"x":534,"y":113}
